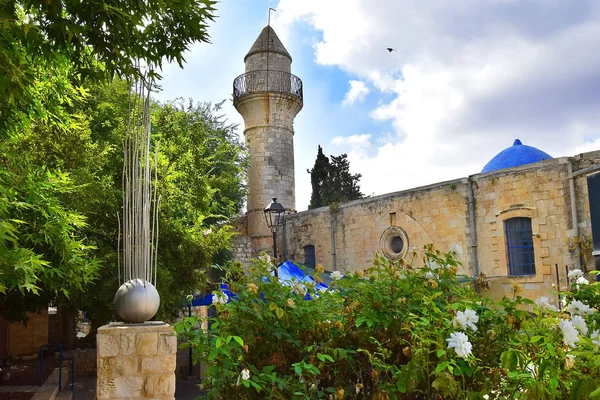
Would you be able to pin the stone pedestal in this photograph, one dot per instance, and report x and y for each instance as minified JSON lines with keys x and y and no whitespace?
{"x":136,"y":361}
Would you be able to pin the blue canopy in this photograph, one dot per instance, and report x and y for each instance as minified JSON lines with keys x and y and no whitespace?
{"x":289,"y":274}
{"x":206,"y":299}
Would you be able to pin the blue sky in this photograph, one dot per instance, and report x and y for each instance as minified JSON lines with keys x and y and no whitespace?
{"x":468,"y":77}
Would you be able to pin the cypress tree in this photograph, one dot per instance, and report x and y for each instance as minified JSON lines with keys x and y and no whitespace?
{"x":332,"y":181}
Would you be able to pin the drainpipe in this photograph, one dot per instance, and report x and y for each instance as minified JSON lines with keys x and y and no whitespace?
{"x":573,"y":207}
{"x":285,"y":244}
{"x":472,"y":227}
{"x":333,"y":221}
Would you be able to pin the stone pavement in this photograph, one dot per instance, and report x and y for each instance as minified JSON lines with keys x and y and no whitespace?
{"x":85,"y":388}
{"x":187,"y":389}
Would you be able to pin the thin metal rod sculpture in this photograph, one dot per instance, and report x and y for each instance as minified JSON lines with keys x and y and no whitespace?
{"x":137,"y":299}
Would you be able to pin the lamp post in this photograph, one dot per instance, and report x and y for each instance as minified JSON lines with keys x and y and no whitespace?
{"x":274,"y":214}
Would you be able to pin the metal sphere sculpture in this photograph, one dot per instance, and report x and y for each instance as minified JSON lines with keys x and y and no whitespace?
{"x":137,"y":299}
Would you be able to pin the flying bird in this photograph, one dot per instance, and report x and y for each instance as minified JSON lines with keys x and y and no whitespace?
{"x":390,"y":49}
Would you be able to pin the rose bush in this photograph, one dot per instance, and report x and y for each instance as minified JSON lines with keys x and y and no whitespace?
{"x":393,"y":331}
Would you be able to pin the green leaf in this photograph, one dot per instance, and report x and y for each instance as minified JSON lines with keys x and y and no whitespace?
{"x":553,"y":383}
{"x":509,"y":359}
{"x":239,"y":340}
{"x":535,"y":339}
{"x":279,"y":312}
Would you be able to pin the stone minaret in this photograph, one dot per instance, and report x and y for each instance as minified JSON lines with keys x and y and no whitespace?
{"x":268,"y":96}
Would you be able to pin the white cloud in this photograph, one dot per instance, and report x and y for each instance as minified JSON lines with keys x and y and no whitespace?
{"x":468,"y":78}
{"x":357,"y":92}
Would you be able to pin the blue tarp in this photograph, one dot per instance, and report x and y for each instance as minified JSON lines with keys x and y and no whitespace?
{"x":289,"y":274}
{"x":206,"y":300}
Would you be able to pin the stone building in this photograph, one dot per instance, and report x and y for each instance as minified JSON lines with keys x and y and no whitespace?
{"x":516,"y":221}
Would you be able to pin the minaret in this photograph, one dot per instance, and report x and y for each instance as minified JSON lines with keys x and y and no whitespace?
{"x":268,"y":96}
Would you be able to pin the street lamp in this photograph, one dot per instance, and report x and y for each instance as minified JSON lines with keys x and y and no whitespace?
{"x":274,"y":214}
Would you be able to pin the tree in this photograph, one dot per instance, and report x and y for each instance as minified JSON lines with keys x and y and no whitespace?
{"x":332,"y":181}
{"x":319,"y":177}
{"x":201,"y":168}
{"x":344,"y":185}
{"x":52,"y":53}
{"x":98,"y":39}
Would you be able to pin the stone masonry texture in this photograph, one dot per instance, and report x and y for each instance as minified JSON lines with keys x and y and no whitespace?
{"x":25,"y":339}
{"x":269,"y":132}
{"x":136,"y":361}
{"x":348,"y":236}
{"x":439,"y":214}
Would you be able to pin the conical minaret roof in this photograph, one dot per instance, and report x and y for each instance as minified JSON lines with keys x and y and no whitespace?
{"x":268,"y":41}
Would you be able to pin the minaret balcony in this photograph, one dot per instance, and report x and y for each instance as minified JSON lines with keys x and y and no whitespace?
{"x":266,"y":81}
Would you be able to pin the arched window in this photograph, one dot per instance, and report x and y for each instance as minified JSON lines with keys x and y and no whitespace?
{"x":519,"y":246}
{"x":309,"y":256}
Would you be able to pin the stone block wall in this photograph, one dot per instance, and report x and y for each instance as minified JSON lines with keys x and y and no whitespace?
{"x":274,"y":61}
{"x":268,"y":120}
{"x":439,"y":214}
{"x":28,"y":338}
{"x":580,"y":162}
{"x":85,"y":360}
{"x":540,"y":193}
{"x":241,"y":249}
{"x":136,"y":361}
{"x":433,"y":214}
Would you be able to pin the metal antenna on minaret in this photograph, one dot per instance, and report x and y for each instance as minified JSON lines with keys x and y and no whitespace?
{"x":270,"y":9}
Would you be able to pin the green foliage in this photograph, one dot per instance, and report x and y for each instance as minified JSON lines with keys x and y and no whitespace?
{"x":38,"y":38}
{"x":383,"y":333}
{"x":59,"y":148}
{"x":41,"y":246}
{"x":332,"y":182}
{"x":200,"y":174}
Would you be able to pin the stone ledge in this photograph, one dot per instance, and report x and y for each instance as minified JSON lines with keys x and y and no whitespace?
{"x":50,"y":389}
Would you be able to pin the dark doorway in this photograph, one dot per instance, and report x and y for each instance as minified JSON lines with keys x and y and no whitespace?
{"x":309,"y":256}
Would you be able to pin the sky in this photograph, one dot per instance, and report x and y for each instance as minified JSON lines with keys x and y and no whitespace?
{"x":466,"y":78}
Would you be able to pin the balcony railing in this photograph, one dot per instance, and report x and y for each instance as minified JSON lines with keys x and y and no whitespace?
{"x":266,"y":81}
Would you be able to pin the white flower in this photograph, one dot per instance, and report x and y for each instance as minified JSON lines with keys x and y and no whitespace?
{"x":432,"y":265}
{"x":460,"y":343}
{"x":265,"y":258}
{"x":544,"y":304}
{"x":220,"y":298}
{"x":582,"y":281}
{"x":466,"y":319}
{"x":569,"y":361}
{"x":579,"y":323}
{"x":299,"y":289}
{"x":336,"y":275}
{"x":486,"y":397}
{"x":576,"y":273}
{"x":245,"y":374}
{"x":570,"y":335}
{"x":595,"y":336}
{"x":578,"y":308}
{"x":431,"y":275}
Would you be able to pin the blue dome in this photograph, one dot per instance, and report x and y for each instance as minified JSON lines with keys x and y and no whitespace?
{"x":517,"y":154}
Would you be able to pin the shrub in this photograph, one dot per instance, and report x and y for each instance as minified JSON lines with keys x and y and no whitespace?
{"x":393,"y":331}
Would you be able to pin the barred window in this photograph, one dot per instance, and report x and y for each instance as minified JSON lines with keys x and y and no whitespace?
{"x":519,"y":245}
